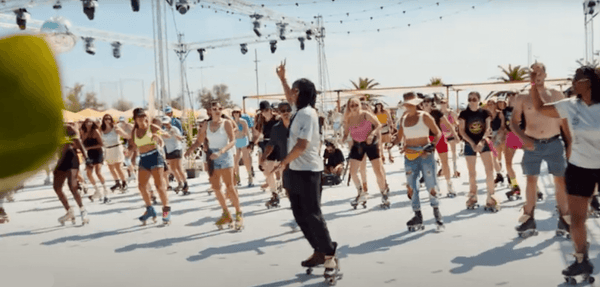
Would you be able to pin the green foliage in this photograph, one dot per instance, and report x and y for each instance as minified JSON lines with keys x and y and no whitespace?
{"x":516,"y":74}
{"x":435,"y":82}
{"x":365,"y":84}
{"x":73,"y":99}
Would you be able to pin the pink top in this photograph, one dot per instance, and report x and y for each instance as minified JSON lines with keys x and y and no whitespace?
{"x":445,"y":129}
{"x":361,"y":132}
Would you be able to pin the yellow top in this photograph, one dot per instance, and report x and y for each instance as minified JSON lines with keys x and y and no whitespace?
{"x":383,"y":118}
{"x":144,"y":140}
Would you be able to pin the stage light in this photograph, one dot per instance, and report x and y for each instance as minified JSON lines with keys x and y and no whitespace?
{"x":135,"y":5}
{"x":57,"y":5}
{"x":22,"y":17}
{"x":308,"y":34}
{"x":182,"y":6}
{"x":589,"y":6}
{"x":89,"y":8}
{"x":244,"y":48}
{"x":281,"y":27}
{"x":301,"y":39}
{"x":201,"y":52}
{"x":116,"y":49}
{"x":89,"y":45}
{"x":256,"y":28}
{"x":273,"y":46}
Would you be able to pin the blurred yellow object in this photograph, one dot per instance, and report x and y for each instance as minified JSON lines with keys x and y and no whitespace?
{"x":31,"y":110}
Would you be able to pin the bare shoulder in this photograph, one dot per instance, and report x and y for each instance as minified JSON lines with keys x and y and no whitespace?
{"x":555,"y":95}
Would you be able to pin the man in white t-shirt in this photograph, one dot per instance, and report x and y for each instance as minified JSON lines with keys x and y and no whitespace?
{"x":305,"y":168}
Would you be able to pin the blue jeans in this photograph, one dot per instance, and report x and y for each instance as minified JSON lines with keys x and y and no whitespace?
{"x":425,"y":166}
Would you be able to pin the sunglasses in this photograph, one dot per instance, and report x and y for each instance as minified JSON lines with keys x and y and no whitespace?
{"x":353,"y":105}
{"x":285,"y":110}
{"x":216,"y":109}
{"x":473,"y":100}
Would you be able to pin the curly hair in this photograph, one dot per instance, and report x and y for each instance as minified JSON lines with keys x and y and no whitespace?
{"x":591,"y":74}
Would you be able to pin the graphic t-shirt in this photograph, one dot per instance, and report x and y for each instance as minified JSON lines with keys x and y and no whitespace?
{"x":583,"y":122}
{"x":475,"y":124}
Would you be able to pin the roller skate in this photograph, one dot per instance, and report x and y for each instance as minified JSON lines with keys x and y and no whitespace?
{"x":178,"y":188}
{"x":96,"y":195}
{"x":514,"y":193}
{"x":439,"y":221}
{"x":385,"y":203}
{"x":250,"y":181}
{"x":499,"y":179}
{"x":166,"y":215}
{"x":84,"y":217}
{"x":225,"y":219}
{"x":451,"y":192}
{"x":116,"y":186}
{"x":106,"y":200}
{"x":316,"y":259}
{"x":564,"y":226}
{"x":581,"y":267}
{"x":472,"y":202}
{"x":123,"y":186}
{"x":361,"y":198}
{"x":594,"y":207}
{"x":540,"y":196}
{"x":150,"y":213}
{"x":416,"y":223}
{"x":492,"y":204}
{"x":527,"y":227}
{"x":82,"y":188}
{"x":154,"y":200}
{"x":185,"y":190}
{"x":273,"y":202}
{"x":332,"y":268}
{"x":3,"y":216}
{"x":239,"y":221}
{"x":456,"y":174}
{"x":67,"y":217}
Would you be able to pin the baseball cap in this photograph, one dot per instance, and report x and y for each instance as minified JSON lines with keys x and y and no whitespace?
{"x":264,"y":105}
{"x":168,"y":109}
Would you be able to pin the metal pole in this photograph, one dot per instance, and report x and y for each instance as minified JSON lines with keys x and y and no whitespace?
{"x":256,"y":70}
{"x":244,"y":104}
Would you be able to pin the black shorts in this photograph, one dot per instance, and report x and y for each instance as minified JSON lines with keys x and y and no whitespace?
{"x":176,"y":154}
{"x":581,"y":181}
{"x":359,"y":150}
{"x":274,"y":156}
{"x":69,"y":160}
{"x":95,"y":156}
{"x":285,"y":178}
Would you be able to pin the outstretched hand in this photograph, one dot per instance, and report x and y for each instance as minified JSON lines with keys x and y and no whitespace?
{"x":281,"y":70}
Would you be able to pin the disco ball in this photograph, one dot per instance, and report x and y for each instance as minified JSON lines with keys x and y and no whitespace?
{"x":58,"y":35}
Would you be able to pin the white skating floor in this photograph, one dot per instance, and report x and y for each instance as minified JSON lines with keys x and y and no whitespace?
{"x":477,"y":248}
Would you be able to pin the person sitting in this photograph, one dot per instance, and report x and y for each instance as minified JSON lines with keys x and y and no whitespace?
{"x":333,"y":158}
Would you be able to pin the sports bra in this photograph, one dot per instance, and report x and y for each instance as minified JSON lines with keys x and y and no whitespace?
{"x":419,"y":130}
{"x":217,"y":139}
{"x":361,"y":132}
{"x":144,"y":140}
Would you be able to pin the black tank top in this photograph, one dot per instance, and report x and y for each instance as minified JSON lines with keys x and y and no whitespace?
{"x":268,"y":126}
{"x":496,"y":122}
{"x":90,"y":142}
{"x":507,"y":116}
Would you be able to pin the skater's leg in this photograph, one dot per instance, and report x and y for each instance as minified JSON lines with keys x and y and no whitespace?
{"x":488,"y":164}
{"x":354,"y":166}
{"x":119,"y":170}
{"x":89,"y":172}
{"x":215,"y":182}
{"x":377,"y":165}
{"x":578,"y":205}
{"x":72,"y":182}
{"x":445,"y":165}
{"x":471,"y":161}
{"x":143,"y":179}
{"x":509,"y":153}
{"x":363,"y":172}
{"x":413,"y":169}
{"x":227,"y":176}
{"x":428,"y":166}
{"x":453,"y":148}
{"x":113,"y":172}
{"x":247,"y":161}
{"x":268,"y":165}
{"x":98,"y":170}
{"x":59,"y":180}
{"x":158,"y":174}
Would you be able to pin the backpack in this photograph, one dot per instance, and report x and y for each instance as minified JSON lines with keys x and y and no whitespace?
{"x":249,"y":120}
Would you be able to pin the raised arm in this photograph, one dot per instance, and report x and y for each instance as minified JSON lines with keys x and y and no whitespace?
{"x":289,"y":95}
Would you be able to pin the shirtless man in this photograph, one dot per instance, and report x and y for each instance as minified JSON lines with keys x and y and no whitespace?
{"x":541,"y":141}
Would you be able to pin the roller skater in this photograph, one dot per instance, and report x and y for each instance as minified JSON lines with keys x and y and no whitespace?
{"x":166,"y":215}
{"x":150,"y":213}
{"x":67,"y":217}
{"x":416,"y":223}
{"x":273,"y":202}
{"x":361,"y":198}
{"x":514,"y":193}
{"x":581,"y":267}
{"x":439,"y":221}
{"x":527,"y":227}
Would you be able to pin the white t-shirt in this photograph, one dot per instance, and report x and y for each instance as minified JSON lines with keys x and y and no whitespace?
{"x":583,"y":122}
{"x":306,"y":126}
{"x":172,"y":144}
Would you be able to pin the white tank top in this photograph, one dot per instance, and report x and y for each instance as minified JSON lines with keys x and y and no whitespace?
{"x":111,"y":138}
{"x":419,"y":130}
{"x":217,"y":139}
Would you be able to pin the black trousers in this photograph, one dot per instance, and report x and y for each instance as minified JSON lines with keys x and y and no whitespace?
{"x":305,"y":198}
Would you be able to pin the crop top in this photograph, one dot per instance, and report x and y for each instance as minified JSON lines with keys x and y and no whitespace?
{"x":144,"y":140}
{"x":361,"y":132}
{"x":217,"y":139}
{"x":419,"y":130}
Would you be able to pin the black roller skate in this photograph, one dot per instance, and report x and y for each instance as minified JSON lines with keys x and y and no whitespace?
{"x":527,"y":227}
{"x":595,"y":207}
{"x":154,"y":201}
{"x":514,"y":193}
{"x":273,"y":202}
{"x":124,"y":186}
{"x":185,"y":190}
{"x":581,"y":267}
{"x":472,"y":202}
{"x":563,"y":228}
{"x":439,"y":221}
{"x":116,"y":186}
{"x":416,"y":223}
{"x":499,"y":179}
{"x":178,"y":188}
{"x":540,"y":196}
{"x":150,"y":213}
{"x":385,"y":203}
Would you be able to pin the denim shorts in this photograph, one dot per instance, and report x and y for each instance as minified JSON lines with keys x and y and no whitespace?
{"x":151,"y":160}
{"x":551,"y":151}
{"x":224,"y":161}
{"x":469,"y":149}
{"x":241,"y":143}
{"x":427,"y":167}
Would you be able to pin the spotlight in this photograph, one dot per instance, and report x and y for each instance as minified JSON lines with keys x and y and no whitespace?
{"x":308,"y":34}
{"x":57,"y":5}
{"x":89,"y":45}
{"x":182,"y":6}
{"x":116,"y":49}
{"x":89,"y":8}
{"x":244,"y":48}
{"x":589,"y":6}
{"x":22,"y":17}
{"x":273,"y":46}
{"x":201,"y":52}
{"x":135,"y":5}
{"x":257,"y":28}
{"x":301,"y":39}
{"x":281,"y":27}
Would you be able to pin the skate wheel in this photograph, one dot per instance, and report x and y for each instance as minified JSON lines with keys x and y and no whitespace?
{"x":73,"y":221}
{"x":571,"y":281}
{"x":591,"y":280}
{"x":309,"y":271}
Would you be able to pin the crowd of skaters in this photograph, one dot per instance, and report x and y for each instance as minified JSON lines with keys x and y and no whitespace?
{"x":549,"y":126}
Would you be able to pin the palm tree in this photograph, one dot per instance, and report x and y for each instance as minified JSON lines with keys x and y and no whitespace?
{"x":435,"y":82}
{"x":516,"y":74}
{"x":365,"y":84}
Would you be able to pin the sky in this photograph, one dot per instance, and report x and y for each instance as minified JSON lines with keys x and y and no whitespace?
{"x":465,"y":46}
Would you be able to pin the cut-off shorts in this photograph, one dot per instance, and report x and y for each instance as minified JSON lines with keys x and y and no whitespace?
{"x":223,"y":161}
{"x":551,"y":151}
{"x":151,"y":160}
{"x":469,"y":151}
{"x":242,"y":143}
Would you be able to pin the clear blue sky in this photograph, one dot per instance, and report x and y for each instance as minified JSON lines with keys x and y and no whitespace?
{"x":460,"y":48}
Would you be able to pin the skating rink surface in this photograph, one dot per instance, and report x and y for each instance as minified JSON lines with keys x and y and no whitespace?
{"x":477,"y":248}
